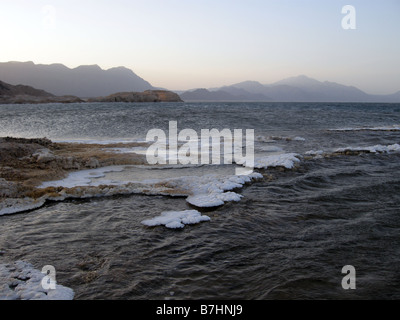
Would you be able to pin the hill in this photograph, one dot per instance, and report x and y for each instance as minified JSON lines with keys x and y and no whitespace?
{"x":21,"y":94}
{"x":25,"y":94}
{"x":146,"y":96}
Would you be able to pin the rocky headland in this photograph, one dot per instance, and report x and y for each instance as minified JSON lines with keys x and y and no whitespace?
{"x":146,"y":96}
{"x":20,"y":94}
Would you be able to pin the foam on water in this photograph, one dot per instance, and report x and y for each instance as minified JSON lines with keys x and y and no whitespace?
{"x":373,"y":149}
{"x":393,"y":148}
{"x":381,"y":128}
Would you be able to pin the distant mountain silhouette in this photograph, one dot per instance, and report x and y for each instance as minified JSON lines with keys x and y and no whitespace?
{"x":83,"y":81}
{"x":10,"y":94}
{"x":295,"y":89}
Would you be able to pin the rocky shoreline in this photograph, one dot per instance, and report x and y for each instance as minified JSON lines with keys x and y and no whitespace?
{"x":26,"y":163}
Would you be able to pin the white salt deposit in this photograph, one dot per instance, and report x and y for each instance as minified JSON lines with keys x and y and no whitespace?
{"x":201,"y":191}
{"x":286,"y":160}
{"x":176,"y":219}
{"x":11,"y":206}
{"x":21,"y":281}
{"x":211,"y":200}
{"x":83,"y":178}
{"x":314,"y":152}
{"x":210,"y":190}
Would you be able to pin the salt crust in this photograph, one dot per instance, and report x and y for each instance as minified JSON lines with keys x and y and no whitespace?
{"x":176,"y":219}
{"x":21,"y":281}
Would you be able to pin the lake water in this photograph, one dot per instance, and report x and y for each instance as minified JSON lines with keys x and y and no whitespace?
{"x":287,"y":238}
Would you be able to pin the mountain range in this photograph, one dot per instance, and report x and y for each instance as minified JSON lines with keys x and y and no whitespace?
{"x":83,"y":81}
{"x":295,"y":89}
{"x":92,"y":81}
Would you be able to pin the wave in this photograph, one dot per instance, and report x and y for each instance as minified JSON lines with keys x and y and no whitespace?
{"x":382,"y":128}
{"x":269,"y":139}
{"x":286,"y":160}
{"x":376,"y":149}
{"x":371,"y":149}
{"x":15,"y":205}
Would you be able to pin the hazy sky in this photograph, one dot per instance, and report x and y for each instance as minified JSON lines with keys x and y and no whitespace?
{"x":184,"y":44}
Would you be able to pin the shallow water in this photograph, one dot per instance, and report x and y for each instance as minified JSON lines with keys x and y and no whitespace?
{"x":288,"y":238}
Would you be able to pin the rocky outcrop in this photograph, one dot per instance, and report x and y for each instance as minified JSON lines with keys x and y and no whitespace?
{"x":10,"y":90}
{"x":146,"y":96}
{"x":21,"y":94}
{"x":25,"y":163}
{"x":8,"y":189}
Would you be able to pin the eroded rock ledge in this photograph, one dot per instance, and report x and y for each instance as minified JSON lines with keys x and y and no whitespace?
{"x":26,"y":163}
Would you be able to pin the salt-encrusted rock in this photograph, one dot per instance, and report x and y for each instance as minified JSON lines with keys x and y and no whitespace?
{"x":44,"y":156}
{"x":92,"y":163}
{"x":14,"y":205}
{"x":21,"y":281}
{"x":8,"y":189}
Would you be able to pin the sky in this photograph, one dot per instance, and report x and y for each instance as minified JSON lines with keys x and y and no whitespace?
{"x":186,"y":44}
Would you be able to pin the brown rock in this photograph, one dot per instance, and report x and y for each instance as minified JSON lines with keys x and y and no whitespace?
{"x":146,"y":96}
